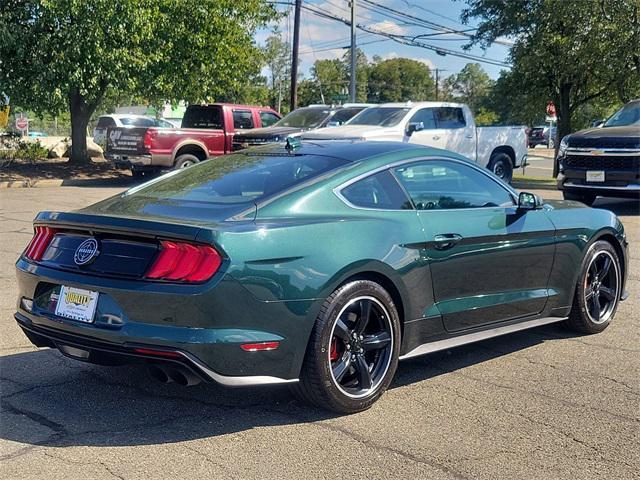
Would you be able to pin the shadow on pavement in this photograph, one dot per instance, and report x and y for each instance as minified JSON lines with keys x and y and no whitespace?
{"x":48,"y":399}
{"x":619,"y":206}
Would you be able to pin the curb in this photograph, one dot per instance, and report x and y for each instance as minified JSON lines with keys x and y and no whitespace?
{"x":533,"y":186}
{"x":46,"y":182}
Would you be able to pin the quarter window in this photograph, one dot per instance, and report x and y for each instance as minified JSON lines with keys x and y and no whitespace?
{"x":379,"y":191}
{"x":450,"y":117}
{"x":104,"y":122}
{"x":242,"y":119}
{"x":439,"y":184}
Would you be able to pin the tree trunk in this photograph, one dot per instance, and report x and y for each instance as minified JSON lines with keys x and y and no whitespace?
{"x":563,"y":106}
{"x":80,"y":115}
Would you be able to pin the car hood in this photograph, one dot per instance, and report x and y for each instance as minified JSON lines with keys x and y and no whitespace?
{"x":606,"y":137}
{"x":347,"y":132}
{"x":267,"y":133}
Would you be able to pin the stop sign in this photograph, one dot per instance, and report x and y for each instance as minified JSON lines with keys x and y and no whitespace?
{"x":22,"y":123}
{"x":551,"y":109}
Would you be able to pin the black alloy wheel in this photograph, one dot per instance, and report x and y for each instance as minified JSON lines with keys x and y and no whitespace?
{"x":353,"y":350}
{"x":361,"y":346}
{"x":598,"y":289}
{"x":601,"y":287}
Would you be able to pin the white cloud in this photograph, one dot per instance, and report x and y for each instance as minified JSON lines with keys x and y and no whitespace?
{"x":388,"y":26}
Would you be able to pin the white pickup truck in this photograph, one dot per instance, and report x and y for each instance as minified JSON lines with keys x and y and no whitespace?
{"x":449,"y":126}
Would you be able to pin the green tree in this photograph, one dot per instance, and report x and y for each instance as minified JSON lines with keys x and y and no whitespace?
{"x":328,"y":78}
{"x":400,"y":80}
{"x":277,"y":53}
{"x":568,"y":51}
{"x":68,"y":54}
{"x":472,"y":85}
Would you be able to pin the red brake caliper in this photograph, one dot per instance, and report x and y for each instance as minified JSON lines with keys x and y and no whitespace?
{"x":333,"y":353}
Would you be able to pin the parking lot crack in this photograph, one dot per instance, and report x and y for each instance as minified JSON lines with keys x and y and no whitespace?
{"x":384,"y":449}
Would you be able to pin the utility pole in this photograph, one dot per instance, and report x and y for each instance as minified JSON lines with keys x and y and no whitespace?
{"x":352,"y":84}
{"x":437,"y":82}
{"x":294,"y":59}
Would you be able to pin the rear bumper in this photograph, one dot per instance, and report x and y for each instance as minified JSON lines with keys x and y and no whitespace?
{"x":139,"y":161}
{"x":205,"y":323}
{"x":104,"y":353}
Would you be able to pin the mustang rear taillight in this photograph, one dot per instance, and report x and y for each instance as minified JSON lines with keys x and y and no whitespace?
{"x":39,"y":243}
{"x":184,"y":262}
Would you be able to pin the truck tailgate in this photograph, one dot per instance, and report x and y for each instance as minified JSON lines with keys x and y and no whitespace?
{"x":127,"y":140}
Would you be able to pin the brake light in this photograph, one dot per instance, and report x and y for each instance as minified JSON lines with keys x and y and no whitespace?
{"x":260,"y":346}
{"x":149,"y":135}
{"x":39,"y":243}
{"x":184,"y":262}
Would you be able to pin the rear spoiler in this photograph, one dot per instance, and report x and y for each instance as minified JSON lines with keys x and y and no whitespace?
{"x":122,"y":225}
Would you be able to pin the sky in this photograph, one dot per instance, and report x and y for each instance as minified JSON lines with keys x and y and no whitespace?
{"x":321,"y":38}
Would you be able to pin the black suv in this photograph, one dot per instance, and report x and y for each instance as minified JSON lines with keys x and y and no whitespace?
{"x":602,"y":161}
{"x":300,"y":120}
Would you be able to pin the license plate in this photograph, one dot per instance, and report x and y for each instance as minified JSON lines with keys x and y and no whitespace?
{"x":595,"y":176}
{"x":77,"y":304}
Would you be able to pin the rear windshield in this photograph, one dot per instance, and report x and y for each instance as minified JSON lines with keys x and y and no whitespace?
{"x":139,"y":122}
{"x":304,"y":118}
{"x":380,"y":116}
{"x":237,"y":178}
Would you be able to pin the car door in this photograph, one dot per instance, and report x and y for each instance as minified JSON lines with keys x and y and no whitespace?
{"x":489,"y":261}
{"x":446,"y":128}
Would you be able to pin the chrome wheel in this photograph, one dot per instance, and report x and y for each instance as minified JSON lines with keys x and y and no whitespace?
{"x":601,"y":287}
{"x":361,"y":347}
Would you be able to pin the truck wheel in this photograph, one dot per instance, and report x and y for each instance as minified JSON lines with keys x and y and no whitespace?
{"x":586,"y":198}
{"x":500,"y":164}
{"x":185,"y":160}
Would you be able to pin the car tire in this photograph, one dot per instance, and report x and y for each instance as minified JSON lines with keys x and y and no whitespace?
{"x":586,"y":198}
{"x":500,"y":164}
{"x":353,"y":350}
{"x":185,"y":160}
{"x":597,"y":291}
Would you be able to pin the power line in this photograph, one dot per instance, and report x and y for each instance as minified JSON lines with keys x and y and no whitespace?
{"x":407,"y":40}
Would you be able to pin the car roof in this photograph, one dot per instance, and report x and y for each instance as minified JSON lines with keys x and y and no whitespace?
{"x":118,"y":116}
{"x":419,"y":104}
{"x":351,"y":150}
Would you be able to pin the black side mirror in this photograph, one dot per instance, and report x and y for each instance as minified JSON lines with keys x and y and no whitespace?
{"x":414,"y":127}
{"x":597,"y":123}
{"x":529,"y":201}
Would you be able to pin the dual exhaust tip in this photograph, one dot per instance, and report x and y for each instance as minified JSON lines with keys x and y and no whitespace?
{"x":181,"y":376}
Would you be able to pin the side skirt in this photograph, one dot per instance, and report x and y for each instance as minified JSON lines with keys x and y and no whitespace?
{"x":447,"y":343}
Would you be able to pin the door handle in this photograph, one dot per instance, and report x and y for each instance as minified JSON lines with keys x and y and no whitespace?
{"x":444,"y":241}
{"x":436,"y":137}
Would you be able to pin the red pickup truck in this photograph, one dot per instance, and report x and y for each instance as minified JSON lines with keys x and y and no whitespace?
{"x":206,"y":131}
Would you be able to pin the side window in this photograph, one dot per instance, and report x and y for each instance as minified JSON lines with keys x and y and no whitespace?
{"x":104,"y":122}
{"x":242,"y":119}
{"x":379,"y":191}
{"x":450,"y":117}
{"x":268,"y":118}
{"x":440,"y":184}
{"x":203,"y":116}
{"x":425,"y":116}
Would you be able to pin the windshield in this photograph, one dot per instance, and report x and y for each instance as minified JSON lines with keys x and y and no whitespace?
{"x":236,"y":179}
{"x":381,"y":116}
{"x":304,"y":118}
{"x":626,"y":116}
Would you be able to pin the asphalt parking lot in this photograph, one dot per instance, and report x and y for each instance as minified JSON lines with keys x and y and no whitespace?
{"x":540,"y":404}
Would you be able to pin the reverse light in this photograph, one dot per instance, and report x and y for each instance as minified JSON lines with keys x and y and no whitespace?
{"x":260,"y":346}
{"x":184,"y":262}
{"x":39,"y":243}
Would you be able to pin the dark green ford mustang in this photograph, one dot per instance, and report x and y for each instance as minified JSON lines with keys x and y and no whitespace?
{"x":320,"y":265}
